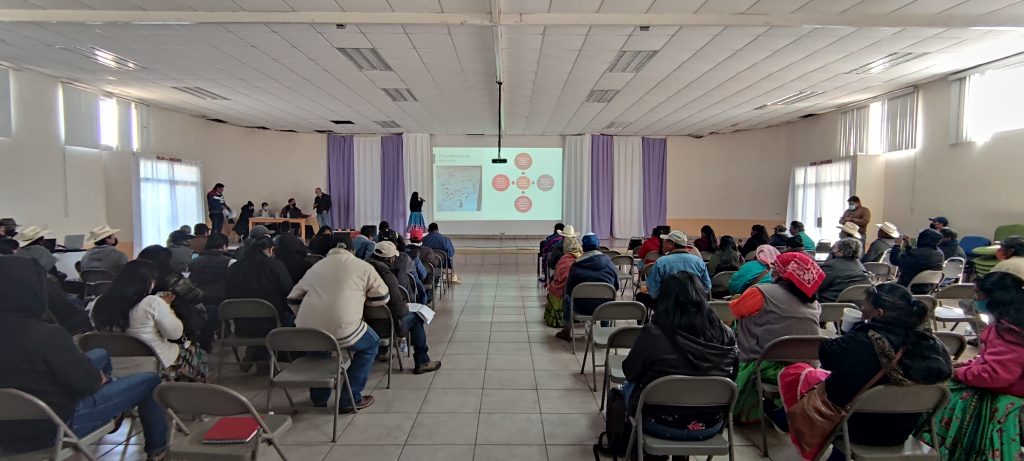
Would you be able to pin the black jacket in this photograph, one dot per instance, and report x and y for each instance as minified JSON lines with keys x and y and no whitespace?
{"x":267,"y":280}
{"x":840,"y":274}
{"x":209,"y":271}
{"x":38,"y":358}
{"x":425,"y":255}
{"x":322,"y":203}
{"x":592,"y":266}
{"x":751,"y":245}
{"x":321,"y":244}
{"x":951,"y":249}
{"x":853,"y":361}
{"x":396,"y":303}
{"x":292,"y":252}
{"x":926,"y":257}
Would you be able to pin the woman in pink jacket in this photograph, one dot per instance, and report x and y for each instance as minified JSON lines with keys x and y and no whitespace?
{"x":982,"y":419}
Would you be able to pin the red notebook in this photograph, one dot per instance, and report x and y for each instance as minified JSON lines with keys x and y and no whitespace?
{"x":232,"y":429}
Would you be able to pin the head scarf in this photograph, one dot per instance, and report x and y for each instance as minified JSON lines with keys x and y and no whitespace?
{"x":22,"y":288}
{"x":572,"y":246}
{"x":766,"y":254}
{"x":800,"y":270}
{"x":591,"y":242}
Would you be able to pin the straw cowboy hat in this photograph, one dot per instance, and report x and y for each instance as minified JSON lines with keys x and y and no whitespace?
{"x":31,"y":234}
{"x":569,"y":231}
{"x":851,"y":228}
{"x":889,"y":228}
{"x":101,"y":232}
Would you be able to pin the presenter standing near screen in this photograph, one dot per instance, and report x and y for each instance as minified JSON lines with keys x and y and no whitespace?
{"x":416,"y":213}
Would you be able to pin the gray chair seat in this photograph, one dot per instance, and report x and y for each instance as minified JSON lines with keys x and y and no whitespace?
{"x":615,"y":373}
{"x":65,"y":452}
{"x":192,"y":448}
{"x":911,"y":450}
{"x":601,"y":335}
{"x":717,"y":445}
{"x":310,"y":372}
{"x":951,"y":314}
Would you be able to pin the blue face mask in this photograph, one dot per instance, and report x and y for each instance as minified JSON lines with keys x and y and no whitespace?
{"x":981,"y":305}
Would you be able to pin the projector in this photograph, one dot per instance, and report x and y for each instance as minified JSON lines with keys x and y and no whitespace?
{"x":499,"y":160}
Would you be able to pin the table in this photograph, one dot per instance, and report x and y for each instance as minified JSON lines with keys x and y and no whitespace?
{"x":300,"y":221}
{"x":66,"y":262}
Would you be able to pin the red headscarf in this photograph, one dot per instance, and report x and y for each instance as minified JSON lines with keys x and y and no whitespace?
{"x":801,"y":271}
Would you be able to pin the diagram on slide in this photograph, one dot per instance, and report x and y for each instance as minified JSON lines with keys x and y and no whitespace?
{"x":459,"y":188}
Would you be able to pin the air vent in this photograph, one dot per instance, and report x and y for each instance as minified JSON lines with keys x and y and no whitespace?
{"x":104,"y":57}
{"x":200,"y":92}
{"x":601,"y":96}
{"x":616,"y":125}
{"x":388,"y":124}
{"x":217,"y":120}
{"x":365,"y":59}
{"x":288,"y":131}
{"x":258,"y":127}
{"x":630,"y":62}
{"x":324,"y":131}
{"x":790,"y":99}
{"x":343,"y":122}
{"x":886,"y":62}
{"x":400,"y":94}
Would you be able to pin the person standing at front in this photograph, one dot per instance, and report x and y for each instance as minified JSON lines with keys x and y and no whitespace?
{"x":858,"y":215}
{"x":322,"y":205}
{"x":215,"y":205}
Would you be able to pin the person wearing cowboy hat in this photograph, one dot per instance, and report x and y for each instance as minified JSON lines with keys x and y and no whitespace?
{"x":887,"y":235}
{"x":104,"y":254}
{"x":849,"y":231}
{"x":8,"y":228}
{"x":558,"y":250}
{"x":31,"y":239}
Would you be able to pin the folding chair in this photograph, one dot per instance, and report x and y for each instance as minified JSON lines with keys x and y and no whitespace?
{"x":925,"y":400}
{"x":621,"y":338}
{"x":651,"y":257}
{"x":597,"y":336}
{"x":706,"y":255}
{"x":196,"y":400}
{"x":833,"y":313}
{"x":95,"y":282}
{"x":627,"y":270}
{"x":383,"y":314}
{"x":953,"y":270}
{"x":22,"y":406}
{"x":640,"y":278}
{"x":709,"y":392}
{"x":929,"y":279}
{"x":586,"y":290}
{"x":242,"y":309}
{"x":720,"y":284}
{"x":879,"y":272}
{"x":854,"y":295}
{"x":723,"y":311}
{"x":951,"y":311}
{"x":955,"y":343}
{"x":784,"y":349}
{"x":446,"y":272}
{"x":611,"y":253}
{"x":326,"y":367}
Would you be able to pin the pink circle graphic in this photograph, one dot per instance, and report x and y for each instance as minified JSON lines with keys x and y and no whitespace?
{"x":523,"y":182}
{"x":501,"y":183}
{"x":545,"y":182}
{"x":524,"y":204}
{"x":523,"y":161}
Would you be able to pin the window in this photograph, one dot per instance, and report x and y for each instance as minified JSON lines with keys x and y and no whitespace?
{"x":881,"y":126}
{"x":108,"y":123}
{"x":93,"y":121}
{"x":987,"y":102}
{"x":817,"y":196}
{"x":170,"y":194}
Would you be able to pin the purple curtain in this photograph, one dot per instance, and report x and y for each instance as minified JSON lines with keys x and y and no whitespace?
{"x":393,"y":206}
{"x":655,"y":191}
{"x":602,"y":165}
{"x":341,"y":179}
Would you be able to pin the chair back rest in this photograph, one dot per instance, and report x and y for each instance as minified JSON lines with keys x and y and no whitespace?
{"x":953,"y":268}
{"x":594,"y":290}
{"x":22,"y":406}
{"x":299,"y":339}
{"x":833,"y":312}
{"x":901,"y":399}
{"x":404,"y":293}
{"x":116,"y":344}
{"x":197,"y":399}
{"x":97,"y":275}
{"x":1008,"y":230}
{"x":880,"y":271}
{"x":956,"y":291}
{"x":646,"y":270}
{"x":954,"y":342}
{"x":792,"y":349}
{"x":928,"y":301}
{"x":885,"y":255}
{"x":246,"y":308}
{"x":371,"y":312}
{"x":621,"y":310}
{"x":723,"y":311}
{"x":650,"y":257}
{"x":970,"y":242}
{"x":623,"y":261}
{"x":623,"y":337}
{"x":706,"y":255}
{"x":611,"y":253}
{"x":690,"y":391}
{"x":853,"y":295}
{"x":932,"y":278}
{"x":722,"y":279}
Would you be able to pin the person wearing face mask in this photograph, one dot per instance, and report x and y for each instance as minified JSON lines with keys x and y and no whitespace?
{"x":858,"y":215}
{"x":938,"y":223}
{"x":104,"y":254}
{"x":265,"y":211}
{"x":8,"y":228}
{"x":292,"y":211}
{"x":913,"y":261}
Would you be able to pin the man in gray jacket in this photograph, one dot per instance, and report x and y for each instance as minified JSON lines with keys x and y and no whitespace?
{"x":104,"y":255}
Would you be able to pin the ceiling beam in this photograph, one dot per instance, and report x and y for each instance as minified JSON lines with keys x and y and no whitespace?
{"x":989,"y":21}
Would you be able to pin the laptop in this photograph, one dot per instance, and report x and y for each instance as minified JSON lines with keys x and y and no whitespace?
{"x":50,"y":244}
{"x":74,"y":241}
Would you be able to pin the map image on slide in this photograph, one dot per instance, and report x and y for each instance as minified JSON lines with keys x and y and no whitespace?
{"x":458,"y":188}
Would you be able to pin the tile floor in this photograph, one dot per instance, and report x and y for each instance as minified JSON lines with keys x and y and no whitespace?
{"x":507,"y":390}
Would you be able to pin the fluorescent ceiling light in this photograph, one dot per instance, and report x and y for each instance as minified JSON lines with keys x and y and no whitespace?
{"x":400,"y":94}
{"x":201,"y":93}
{"x":886,"y":62}
{"x":163,"y":23}
{"x":789,"y":99}
{"x":601,"y":96}
{"x":366,"y":59}
{"x":388,"y":124}
{"x":104,"y":57}
{"x":630,"y":62}
{"x":616,"y":125}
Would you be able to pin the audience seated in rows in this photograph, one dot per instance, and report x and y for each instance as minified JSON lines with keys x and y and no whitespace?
{"x":257,"y":275}
{"x":426,"y":257}
{"x":551,"y":241}
{"x":104,"y":255}
{"x":796,"y":229}
{"x":198,"y":241}
{"x":755,"y":271}
{"x":758,"y":237}
{"x":653,"y":243}
{"x":31,"y":244}
{"x":887,"y":235}
{"x":292,"y":252}
{"x":331,"y":297}
{"x":558,"y":249}
{"x":437,"y":241}
{"x":384,"y":259}
{"x":684,"y":338}
{"x":726,"y":256}
{"x":188,"y":300}
{"x":43,"y":360}
{"x":849,"y":231}
{"x":894,"y":335}
{"x":209,"y":271}
{"x":181,"y":252}
{"x":988,"y":391}
{"x":553,"y":312}
{"x":786,"y":307}
{"x":707,"y":241}
{"x":680,"y":256}
{"x":842,"y":270}
{"x":362,"y":244}
{"x":412,"y":272}
{"x":129,"y":307}
{"x":910,"y":262}
{"x":591,"y":266}
{"x":950,"y":244}
{"x":322,"y":242}
{"x":779,"y":236}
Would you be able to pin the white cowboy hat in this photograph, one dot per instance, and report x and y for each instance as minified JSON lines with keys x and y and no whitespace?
{"x":31,"y":234}
{"x":569,"y":231}
{"x":851,"y":228}
{"x":889,"y":228}
{"x":101,"y":232}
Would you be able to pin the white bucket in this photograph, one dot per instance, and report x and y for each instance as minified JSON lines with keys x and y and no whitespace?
{"x":850,"y":317}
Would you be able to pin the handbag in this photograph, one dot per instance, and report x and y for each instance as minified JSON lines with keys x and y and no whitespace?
{"x":813,"y":418}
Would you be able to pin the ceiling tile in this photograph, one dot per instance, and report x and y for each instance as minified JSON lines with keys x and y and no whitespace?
{"x":645,"y":42}
{"x":604,"y":42}
{"x":466,"y":6}
{"x":364,"y":5}
{"x":625,"y":6}
{"x":431,"y":41}
{"x":389,"y":40}
{"x":676,"y":6}
{"x":415,"y":6}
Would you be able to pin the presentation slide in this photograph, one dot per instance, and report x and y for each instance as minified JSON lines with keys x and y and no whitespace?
{"x":468,"y":187}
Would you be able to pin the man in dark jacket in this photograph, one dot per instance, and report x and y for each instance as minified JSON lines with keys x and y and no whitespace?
{"x":926,"y":257}
{"x":591,"y":266}
{"x":843,"y":270}
{"x":322,"y":205}
{"x":384,"y":259}
{"x":209,"y":272}
{"x":427,"y":258}
{"x":887,"y":235}
{"x":950,"y":244}
{"x":43,"y":360}
{"x":215,"y":206}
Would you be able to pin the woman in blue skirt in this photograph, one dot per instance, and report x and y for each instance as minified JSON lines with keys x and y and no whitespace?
{"x":416,"y":213}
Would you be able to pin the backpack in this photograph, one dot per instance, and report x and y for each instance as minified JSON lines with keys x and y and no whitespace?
{"x":617,"y":428}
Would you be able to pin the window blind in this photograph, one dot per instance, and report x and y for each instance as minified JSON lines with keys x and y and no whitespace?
{"x":81,"y":117}
{"x":853,"y":132}
{"x":899,"y":123}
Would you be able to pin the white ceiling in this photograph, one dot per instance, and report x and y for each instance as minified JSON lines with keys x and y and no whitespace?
{"x":704,"y":78}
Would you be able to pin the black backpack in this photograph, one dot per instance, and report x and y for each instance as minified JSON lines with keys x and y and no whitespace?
{"x":617,"y":428}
